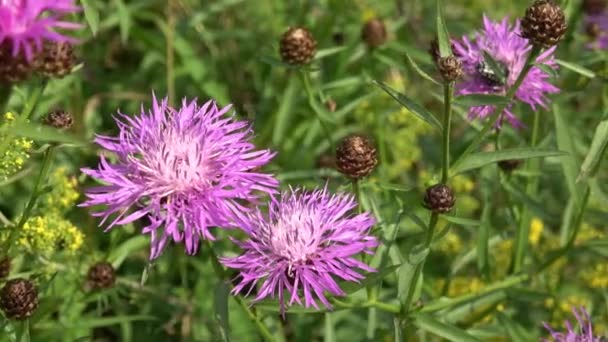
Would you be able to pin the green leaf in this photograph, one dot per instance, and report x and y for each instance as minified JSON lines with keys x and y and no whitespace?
{"x":124,"y":20}
{"x":533,"y":205}
{"x":96,"y":322}
{"x":461,"y":221}
{"x":598,"y":148}
{"x":41,"y":133}
{"x":407,"y":271}
{"x":120,"y":253}
{"x":547,"y":70}
{"x":474,"y":100}
{"x":483,"y":236}
{"x":497,"y":68}
{"x":576,"y":68}
{"x":419,"y":70}
{"x":480,"y":159}
{"x":329,"y":52}
{"x":515,"y":331}
{"x":565,"y":142}
{"x":412,"y":106}
{"x":443,"y":37}
{"x":220,"y":303}
{"x":91,"y":14}
{"x":370,"y":279}
{"x":451,"y":333}
{"x":284,"y":111}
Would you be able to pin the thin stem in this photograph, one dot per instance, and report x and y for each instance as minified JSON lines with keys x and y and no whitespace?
{"x":221,"y":273}
{"x":448,"y":92}
{"x":44,"y":170}
{"x":170,"y":52}
{"x":523,"y":230}
{"x":497,"y":114}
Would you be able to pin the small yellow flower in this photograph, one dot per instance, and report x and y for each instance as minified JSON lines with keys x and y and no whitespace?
{"x":536,"y":231}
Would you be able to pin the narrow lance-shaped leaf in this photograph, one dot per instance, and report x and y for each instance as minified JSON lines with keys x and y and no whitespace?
{"x":443,"y":37}
{"x":91,"y":14}
{"x":598,"y":148}
{"x":474,"y":100}
{"x":451,"y":333}
{"x":480,"y":159}
{"x":412,"y":106}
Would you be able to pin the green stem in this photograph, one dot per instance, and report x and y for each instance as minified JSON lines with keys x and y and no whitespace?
{"x":497,"y":114}
{"x":221,"y":273}
{"x":523,"y":230}
{"x":448,"y":92}
{"x":170,"y":53}
{"x":44,"y":170}
{"x":311,"y":100}
{"x":5,"y":94}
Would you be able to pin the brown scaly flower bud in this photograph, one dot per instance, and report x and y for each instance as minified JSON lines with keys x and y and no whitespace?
{"x":5,"y":267}
{"x":59,"y":119}
{"x":57,"y":59}
{"x":439,"y":198}
{"x":450,"y":68}
{"x":18,"y":299}
{"x":356,"y":156}
{"x":593,"y":6}
{"x":14,"y":69}
{"x":544,"y":23}
{"x":297,"y":46}
{"x":373,"y":33}
{"x":509,"y":165}
{"x":101,"y":276}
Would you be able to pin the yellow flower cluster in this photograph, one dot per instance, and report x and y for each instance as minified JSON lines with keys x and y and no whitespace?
{"x":64,"y":193}
{"x":596,"y":276}
{"x":562,"y":308}
{"x":46,"y":234}
{"x":16,"y":150}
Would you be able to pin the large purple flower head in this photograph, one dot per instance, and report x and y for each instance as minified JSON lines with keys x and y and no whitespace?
{"x":583,"y":334}
{"x":307,"y":241}
{"x":504,"y":44}
{"x":185,"y":169}
{"x":26,"y":24}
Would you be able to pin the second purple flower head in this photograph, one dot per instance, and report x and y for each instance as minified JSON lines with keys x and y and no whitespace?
{"x":184,"y":170}
{"x":504,"y":44}
{"x":307,"y":241}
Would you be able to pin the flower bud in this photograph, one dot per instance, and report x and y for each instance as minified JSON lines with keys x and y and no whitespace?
{"x":544,"y":23}
{"x":439,"y":198}
{"x":297,"y":46}
{"x":356,"y":157}
{"x":18,"y":299}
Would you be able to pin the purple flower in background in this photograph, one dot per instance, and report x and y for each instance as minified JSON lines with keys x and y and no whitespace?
{"x":583,"y":334}
{"x":504,"y":44}
{"x":26,"y":24}
{"x":185,"y":169}
{"x":596,"y":26}
{"x":307,"y":240}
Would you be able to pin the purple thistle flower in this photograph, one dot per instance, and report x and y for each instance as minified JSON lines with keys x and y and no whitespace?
{"x":307,"y":240}
{"x":583,"y":334}
{"x":186,"y":170}
{"x":505,"y":45}
{"x":26,"y":24}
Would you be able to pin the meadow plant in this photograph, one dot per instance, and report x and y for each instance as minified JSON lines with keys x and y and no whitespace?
{"x":313,"y":171}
